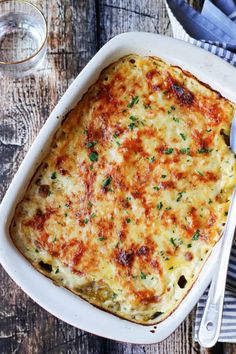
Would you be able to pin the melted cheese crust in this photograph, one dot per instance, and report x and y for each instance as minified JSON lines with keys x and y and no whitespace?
{"x":134,"y":192}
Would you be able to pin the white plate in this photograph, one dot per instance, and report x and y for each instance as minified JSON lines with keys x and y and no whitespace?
{"x":59,"y":301}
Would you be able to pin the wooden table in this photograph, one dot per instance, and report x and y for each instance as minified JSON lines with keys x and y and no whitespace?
{"x":77,"y":29}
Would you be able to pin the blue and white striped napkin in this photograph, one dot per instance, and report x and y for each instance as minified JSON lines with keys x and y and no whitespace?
{"x":214,"y":29}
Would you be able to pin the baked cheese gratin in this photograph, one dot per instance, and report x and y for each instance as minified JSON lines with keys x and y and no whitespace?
{"x":134,"y":193}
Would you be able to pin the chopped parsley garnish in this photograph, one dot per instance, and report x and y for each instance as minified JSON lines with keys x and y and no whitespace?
{"x":114,"y":296}
{"x":168,"y":151}
{"x":91,"y":167}
{"x":185,"y":151}
{"x":91,"y":144}
{"x":200,"y":173}
{"x":57,"y":271}
{"x":204,"y":150}
{"x":208,"y":130}
{"x":226,"y":213}
{"x":143,"y":275}
{"x":93,"y":215}
{"x":168,"y":208}
{"x":163,"y":176}
{"x":54,"y":175}
{"x":36,"y":251}
{"x":101,"y":238}
{"x":93,"y":156}
{"x":173,"y":242}
{"x":128,"y":220}
{"x":152,"y":159}
{"x":156,"y":188}
{"x":133,"y":118}
{"x":106,"y":182}
{"x":90,"y":204}
{"x":179,"y":197}
{"x":183,"y":136}
{"x":115,"y":136}
{"x":196,"y":235}
{"x":209,"y":201}
{"x":128,"y":198}
{"x":176,"y":119}
{"x":66,"y":214}
{"x":86,"y":220}
{"x":133,"y":102}
{"x":85,"y":131}
{"x":159,"y":206}
{"x":131,"y":126}
{"x":189,"y":245}
{"x":172,"y":107}
{"x":171,"y":268}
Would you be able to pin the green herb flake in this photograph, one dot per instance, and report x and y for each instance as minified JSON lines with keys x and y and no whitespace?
{"x":128,"y":220}
{"x":90,"y":204}
{"x":168,"y":151}
{"x":54,"y":175}
{"x":66,"y":214}
{"x":200,"y":173}
{"x":156,"y":188}
{"x":173,"y":242}
{"x":208,"y":130}
{"x":36,"y":251}
{"x":143,"y":275}
{"x":93,"y":156}
{"x":133,"y":101}
{"x":179,"y":197}
{"x":152,"y":159}
{"x":175,"y":119}
{"x":106,"y":182}
{"x":185,"y":151}
{"x":168,"y":208}
{"x":172,"y":108}
{"x":196,"y":235}
{"x":91,"y":144}
{"x":159,"y":206}
{"x":183,"y":136}
{"x":93,"y":215}
{"x":57,"y":271}
{"x":101,"y":238}
{"x":226,"y":213}
{"x":209,"y":201}
{"x":86,"y":220}
{"x":131,"y":126}
{"x":114,"y":296}
{"x":133,"y":118}
{"x":204,"y":151}
{"x":171,"y":268}
{"x":163,"y":176}
{"x":189,"y":245}
{"x":91,"y":167}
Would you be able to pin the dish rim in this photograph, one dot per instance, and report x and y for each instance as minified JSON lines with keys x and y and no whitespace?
{"x":204,"y":66}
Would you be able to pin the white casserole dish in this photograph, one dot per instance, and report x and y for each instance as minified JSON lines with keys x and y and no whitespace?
{"x":59,"y":301}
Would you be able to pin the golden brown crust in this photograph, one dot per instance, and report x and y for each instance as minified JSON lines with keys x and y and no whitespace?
{"x":130,"y":200}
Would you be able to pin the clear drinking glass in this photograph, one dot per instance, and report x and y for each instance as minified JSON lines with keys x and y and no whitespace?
{"x":23,"y":37}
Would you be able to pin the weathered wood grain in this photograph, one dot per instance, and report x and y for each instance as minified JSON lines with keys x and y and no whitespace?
{"x":77,"y":29}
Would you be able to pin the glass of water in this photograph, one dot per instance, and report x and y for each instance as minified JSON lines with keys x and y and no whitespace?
{"x":23,"y":37}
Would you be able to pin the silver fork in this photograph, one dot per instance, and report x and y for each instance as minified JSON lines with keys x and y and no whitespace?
{"x":209,"y":329}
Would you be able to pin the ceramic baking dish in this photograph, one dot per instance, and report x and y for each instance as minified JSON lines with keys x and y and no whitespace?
{"x":59,"y":301}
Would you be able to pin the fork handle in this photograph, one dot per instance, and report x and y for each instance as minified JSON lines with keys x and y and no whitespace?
{"x":211,"y":320}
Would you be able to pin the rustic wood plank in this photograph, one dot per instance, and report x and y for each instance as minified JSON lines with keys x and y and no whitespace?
{"x":25,"y":105}
{"x":77,"y":30}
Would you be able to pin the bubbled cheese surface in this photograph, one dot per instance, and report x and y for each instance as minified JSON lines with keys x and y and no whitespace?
{"x":134,"y":192}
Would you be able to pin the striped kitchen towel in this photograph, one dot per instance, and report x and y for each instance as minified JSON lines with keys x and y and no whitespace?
{"x":214,"y":29}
